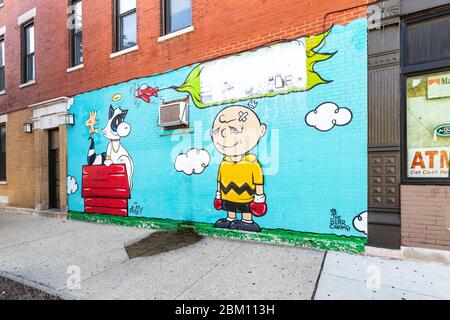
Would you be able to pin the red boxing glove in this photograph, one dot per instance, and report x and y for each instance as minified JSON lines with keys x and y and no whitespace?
{"x":258,"y":207}
{"x":218,"y":202}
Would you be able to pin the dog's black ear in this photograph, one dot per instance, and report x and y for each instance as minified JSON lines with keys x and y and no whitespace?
{"x":124,"y":114}
{"x":111,"y":111}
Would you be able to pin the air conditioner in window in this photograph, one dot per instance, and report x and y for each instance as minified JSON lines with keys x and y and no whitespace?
{"x":174,"y":114}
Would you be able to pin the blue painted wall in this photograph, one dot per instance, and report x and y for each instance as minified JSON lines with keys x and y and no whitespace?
{"x":307,"y":172}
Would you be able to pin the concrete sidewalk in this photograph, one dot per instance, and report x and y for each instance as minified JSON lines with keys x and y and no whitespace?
{"x":39,"y":251}
{"x":353,"y":277}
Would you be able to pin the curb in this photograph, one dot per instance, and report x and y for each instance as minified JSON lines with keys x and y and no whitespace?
{"x":38,"y":286}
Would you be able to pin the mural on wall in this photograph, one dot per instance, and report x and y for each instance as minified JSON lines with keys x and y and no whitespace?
{"x":360,"y":222}
{"x":252,"y":104}
{"x":145,"y":93}
{"x":288,"y":67}
{"x":328,"y":115}
{"x":92,"y":123}
{"x":108,"y":176}
{"x":336,"y":221}
{"x":192,"y":162}
{"x":115,"y":130}
{"x":235,"y":132}
{"x":249,"y":163}
{"x":117,"y":97}
{"x":72,"y":185}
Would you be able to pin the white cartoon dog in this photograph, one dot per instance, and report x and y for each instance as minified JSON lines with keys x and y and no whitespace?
{"x":115,"y":129}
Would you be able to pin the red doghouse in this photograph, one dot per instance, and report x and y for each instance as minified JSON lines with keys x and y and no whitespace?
{"x":105,"y":189}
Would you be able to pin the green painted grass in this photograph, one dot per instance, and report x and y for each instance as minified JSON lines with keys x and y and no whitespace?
{"x":279,"y":236}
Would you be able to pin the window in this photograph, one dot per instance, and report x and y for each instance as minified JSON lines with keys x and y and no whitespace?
{"x":76,"y":42}
{"x":28,"y":53}
{"x":177,"y":15}
{"x":428,"y":125}
{"x":125,"y":24}
{"x":426,"y":39}
{"x":2,"y":64}
{"x":2,"y":152}
{"x":1,"y":2}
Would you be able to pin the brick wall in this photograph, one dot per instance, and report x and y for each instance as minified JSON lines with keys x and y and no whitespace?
{"x":41,"y":189}
{"x":425,"y":216}
{"x":19,"y":161}
{"x":27,"y":164}
{"x":63,"y":167}
{"x":220,"y":28}
{"x":305,"y":190}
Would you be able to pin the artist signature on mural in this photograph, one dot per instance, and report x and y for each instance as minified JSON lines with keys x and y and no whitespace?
{"x":136,"y":208}
{"x":336,"y":221}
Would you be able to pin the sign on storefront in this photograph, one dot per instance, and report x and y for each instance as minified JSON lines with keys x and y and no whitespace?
{"x":439,"y":86}
{"x":428,"y":162}
{"x":442,"y":131}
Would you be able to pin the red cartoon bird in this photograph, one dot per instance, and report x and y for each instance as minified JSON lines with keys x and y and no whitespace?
{"x":145,"y":92}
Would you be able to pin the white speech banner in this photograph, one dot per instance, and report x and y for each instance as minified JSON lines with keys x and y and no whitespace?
{"x":266,"y":71}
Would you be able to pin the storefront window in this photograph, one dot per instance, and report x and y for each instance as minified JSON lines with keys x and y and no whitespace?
{"x":428,"y":125}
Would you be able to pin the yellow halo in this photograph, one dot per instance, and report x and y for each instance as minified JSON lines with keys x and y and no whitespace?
{"x":116,"y":97}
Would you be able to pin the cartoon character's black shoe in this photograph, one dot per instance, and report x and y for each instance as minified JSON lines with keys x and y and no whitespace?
{"x":239,"y":225}
{"x":223,"y":223}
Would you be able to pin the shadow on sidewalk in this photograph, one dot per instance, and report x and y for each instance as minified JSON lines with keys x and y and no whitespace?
{"x":162,"y":241}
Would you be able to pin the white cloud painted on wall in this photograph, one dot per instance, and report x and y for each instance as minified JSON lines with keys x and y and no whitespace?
{"x":69,"y":103}
{"x":72,"y":185}
{"x":360,"y":222}
{"x":192,"y":162}
{"x":328,"y":115}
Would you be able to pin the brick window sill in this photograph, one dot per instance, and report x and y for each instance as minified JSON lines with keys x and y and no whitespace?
{"x":75,"y":68}
{"x":27,"y":84}
{"x":176,"y":34}
{"x":124,"y":51}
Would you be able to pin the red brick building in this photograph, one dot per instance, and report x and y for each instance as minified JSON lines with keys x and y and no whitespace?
{"x":44,"y":67}
{"x":215,"y":30}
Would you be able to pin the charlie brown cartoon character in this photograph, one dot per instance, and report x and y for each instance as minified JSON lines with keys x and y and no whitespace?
{"x":240,"y":183}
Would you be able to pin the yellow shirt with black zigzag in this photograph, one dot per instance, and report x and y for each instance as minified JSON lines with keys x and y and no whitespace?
{"x":238,"y":180}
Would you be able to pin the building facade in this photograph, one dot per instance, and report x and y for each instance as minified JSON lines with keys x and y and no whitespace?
{"x":408,"y":100}
{"x":219,"y":145}
{"x":119,"y":111}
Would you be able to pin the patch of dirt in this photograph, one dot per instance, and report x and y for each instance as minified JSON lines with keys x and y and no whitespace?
{"x":161,"y":241}
{"x":12,"y":290}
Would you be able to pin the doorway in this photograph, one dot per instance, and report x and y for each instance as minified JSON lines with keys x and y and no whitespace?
{"x":53,"y":169}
